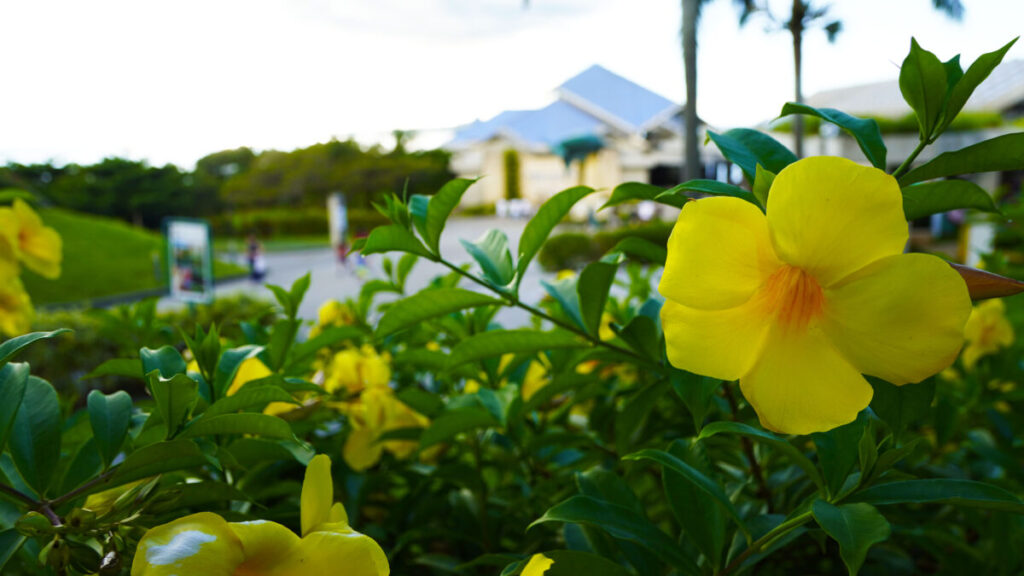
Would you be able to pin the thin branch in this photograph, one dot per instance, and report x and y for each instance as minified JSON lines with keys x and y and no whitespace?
{"x":763,"y":492}
{"x":18,"y":495}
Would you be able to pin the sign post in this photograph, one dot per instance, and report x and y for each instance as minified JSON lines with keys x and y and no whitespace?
{"x":189,"y":259}
{"x":337,"y":224}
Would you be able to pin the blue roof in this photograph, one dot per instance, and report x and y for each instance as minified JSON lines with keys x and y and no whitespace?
{"x":549,"y":126}
{"x":625,"y":100}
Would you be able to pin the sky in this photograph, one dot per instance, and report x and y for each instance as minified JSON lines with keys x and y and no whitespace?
{"x":169,"y":81}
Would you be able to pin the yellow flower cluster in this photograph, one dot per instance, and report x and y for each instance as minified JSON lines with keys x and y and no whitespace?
{"x":205,"y":543}
{"x":332,"y":314}
{"x":987,"y":331}
{"x":355,"y":369}
{"x":25,"y":240}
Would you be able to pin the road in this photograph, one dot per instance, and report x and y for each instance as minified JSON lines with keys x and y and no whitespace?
{"x":332,"y":280}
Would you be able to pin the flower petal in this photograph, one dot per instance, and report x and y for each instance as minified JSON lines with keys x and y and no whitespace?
{"x":831,"y":217}
{"x":265,"y":544}
{"x":718,"y":254}
{"x":361,"y":450}
{"x":40,"y":246}
{"x":900,"y":318}
{"x":718,"y":343}
{"x":801,"y":385}
{"x":317,"y":493}
{"x":351,"y":553}
{"x":201,"y":543}
{"x":537,"y":566}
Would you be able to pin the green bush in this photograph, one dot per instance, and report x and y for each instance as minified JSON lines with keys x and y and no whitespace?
{"x":572,"y":250}
{"x":299,"y":221}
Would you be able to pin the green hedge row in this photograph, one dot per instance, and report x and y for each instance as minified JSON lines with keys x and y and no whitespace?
{"x":572,"y":250}
{"x":298,"y":221}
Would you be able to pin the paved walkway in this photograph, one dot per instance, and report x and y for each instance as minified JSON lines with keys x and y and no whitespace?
{"x":332,"y":280}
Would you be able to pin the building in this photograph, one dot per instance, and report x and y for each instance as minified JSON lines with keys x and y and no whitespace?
{"x":601,"y":130}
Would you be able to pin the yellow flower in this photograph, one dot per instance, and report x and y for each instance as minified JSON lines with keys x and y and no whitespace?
{"x":536,"y":378}
{"x":354,"y":370}
{"x":38,"y":246}
{"x":798,"y":303}
{"x":205,"y":544}
{"x":565,"y":275}
{"x":537,"y":566}
{"x":332,"y":313}
{"x":605,"y":331}
{"x":986,"y":332}
{"x":377,"y":411}
{"x":15,"y":307}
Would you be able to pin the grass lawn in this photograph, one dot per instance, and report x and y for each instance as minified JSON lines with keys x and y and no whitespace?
{"x":103,"y":257}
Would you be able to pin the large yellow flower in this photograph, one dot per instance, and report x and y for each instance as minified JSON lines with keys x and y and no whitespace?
{"x":987,"y":331}
{"x":206,"y":544}
{"x":798,"y":303}
{"x":38,"y":246}
{"x":377,"y":411}
{"x":15,"y":307}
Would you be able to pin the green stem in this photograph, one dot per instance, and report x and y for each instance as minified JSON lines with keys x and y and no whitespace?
{"x":910,"y":159}
{"x":513,"y":300}
{"x":83,"y":488}
{"x":763,"y":542}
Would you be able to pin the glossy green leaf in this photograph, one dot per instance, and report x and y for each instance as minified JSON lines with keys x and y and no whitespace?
{"x":11,"y":347}
{"x":856,"y":527}
{"x":643,"y":335}
{"x":110,"y":416}
{"x":702,"y":518}
{"x":540,"y":226}
{"x":174,"y":397}
{"x":10,"y":542}
{"x":127,"y":367}
{"x":13,"y":381}
{"x":499,"y":342}
{"x":394,"y":238}
{"x":440,"y":207}
{"x":747,"y":148}
{"x":418,"y":206}
{"x":942,"y":491}
{"x":696,"y":392}
{"x":631,"y":191}
{"x":428,"y":304}
{"x":632,"y":418}
{"x":298,"y":292}
{"x":838,"y":451}
{"x":456,"y":421}
{"x":763,"y":179}
{"x":166,"y":360}
{"x":641,"y":249}
{"x":965,"y":84}
{"x":492,"y":254}
{"x":1000,"y":154}
{"x":244,"y":423}
{"x":564,"y":292}
{"x":699,"y":481}
{"x":924,"y":85}
{"x":899,"y":406}
{"x":228,"y":364}
{"x":155,"y":459}
{"x":864,"y":130}
{"x":920,"y":200}
{"x":711,"y":188}
{"x":36,"y":435}
{"x":249,"y":398}
{"x":791,"y":452}
{"x":593,"y":286}
{"x":622,"y":523}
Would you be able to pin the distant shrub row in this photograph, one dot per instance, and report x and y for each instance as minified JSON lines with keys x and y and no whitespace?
{"x":298,"y":221}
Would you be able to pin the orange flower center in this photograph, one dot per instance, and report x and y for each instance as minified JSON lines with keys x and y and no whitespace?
{"x":793,"y":297}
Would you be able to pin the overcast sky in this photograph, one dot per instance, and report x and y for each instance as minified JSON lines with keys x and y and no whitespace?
{"x":173,"y":80}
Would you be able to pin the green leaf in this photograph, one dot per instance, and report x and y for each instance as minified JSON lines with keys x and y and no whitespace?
{"x":923,"y":84}
{"x":440,"y":207}
{"x":630,"y":191}
{"x":244,"y":423}
{"x":706,"y":485}
{"x":642,"y":249}
{"x":942,"y":491}
{"x":747,"y":148}
{"x":127,"y":367}
{"x":154,"y":459}
{"x":920,"y":200}
{"x":1000,"y":154}
{"x":594,"y":283}
{"x":794,"y":455}
{"x":456,"y":421}
{"x":227,"y":366}
{"x":500,"y":342}
{"x":838,"y":450}
{"x":540,"y":226}
{"x":166,"y":360}
{"x":492,"y":253}
{"x":392,"y":238}
{"x":965,"y":84}
{"x":898,"y":406}
{"x":428,"y":304}
{"x":35,"y":436}
{"x":10,"y":542}
{"x":13,"y":381}
{"x":298,"y":292}
{"x":418,"y":205}
{"x":622,"y":523}
{"x":284,"y":298}
{"x":110,"y":416}
{"x":702,"y":519}
{"x":630,"y":421}
{"x":864,"y":130}
{"x":856,"y":527}
{"x":249,"y":398}
{"x":710,"y":187}
{"x":564,"y":292}
{"x":174,"y":397}
{"x":762,"y":185}
{"x":11,"y":347}
{"x":696,"y":392}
